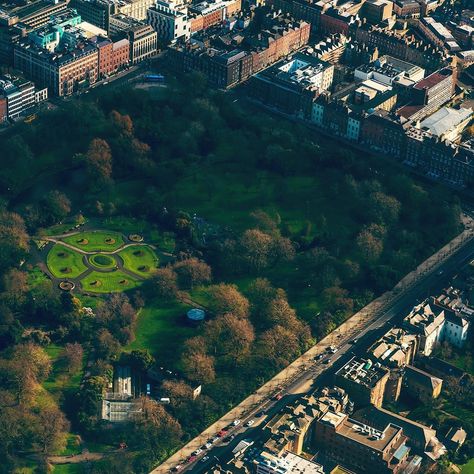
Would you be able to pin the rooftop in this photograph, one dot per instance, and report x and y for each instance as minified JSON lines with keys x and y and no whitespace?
{"x":301,"y":69}
{"x":288,"y":463}
{"x":426,"y":317}
{"x":361,"y":433}
{"x":433,"y":79}
{"x":445,"y":120}
{"x":380,"y":417}
{"x":362,"y":372}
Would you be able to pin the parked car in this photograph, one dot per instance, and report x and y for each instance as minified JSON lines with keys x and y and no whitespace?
{"x":236,"y":422}
{"x":250,"y":423}
{"x":197,"y":452}
{"x":319,"y":357}
{"x":278,"y":396}
{"x":332,"y":349}
{"x":355,"y":341}
{"x":229,"y":438}
{"x":208,"y":445}
{"x":191,"y":459}
{"x":177,"y":468}
{"x":222,"y":433}
{"x":327,"y":361}
{"x":215,"y":439}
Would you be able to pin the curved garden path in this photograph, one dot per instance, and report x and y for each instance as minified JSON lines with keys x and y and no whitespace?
{"x":57,"y":240}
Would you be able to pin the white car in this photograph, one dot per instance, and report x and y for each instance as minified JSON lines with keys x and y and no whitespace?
{"x":333,"y":349}
{"x":197,"y":452}
{"x":236,"y":422}
{"x":215,"y":439}
{"x":208,"y":445}
{"x":250,"y":423}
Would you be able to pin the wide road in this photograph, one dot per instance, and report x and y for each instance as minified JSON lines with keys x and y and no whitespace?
{"x":320,"y":372}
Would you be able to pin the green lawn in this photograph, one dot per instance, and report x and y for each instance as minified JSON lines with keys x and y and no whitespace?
{"x":161,"y":330}
{"x":58,"y":380}
{"x":139,"y":259}
{"x":112,"y":282}
{"x":68,"y":469}
{"x":468,"y":468}
{"x":36,"y":277}
{"x":64,"y":262}
{"x":165,"y":241}
{"x":126,"y":225}
{"x":96,"y":241}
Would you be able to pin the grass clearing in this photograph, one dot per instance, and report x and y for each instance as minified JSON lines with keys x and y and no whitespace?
{"x":59,"y":381}
{"x":468,"y":468}
{"x":139,"y":259}
{"x":161,"y":329}
{"x":63,"y":262}
{"x":77,"y":468}
{"x":96,"y":241}
{"x":112,"y":282}
{"x":165,"y":241}
{"x":35,"y":277}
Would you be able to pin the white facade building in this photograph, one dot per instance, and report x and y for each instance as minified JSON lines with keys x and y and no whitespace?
{"x":20,"y":96}
{"x":170,"y":20}
{"x":455,"y":329}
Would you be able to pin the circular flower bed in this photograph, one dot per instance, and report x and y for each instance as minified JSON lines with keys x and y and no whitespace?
{"x":110,"y":241}
{"x":135,"y":238}
{"x":82,"y":241}
{"x":66,"y":285}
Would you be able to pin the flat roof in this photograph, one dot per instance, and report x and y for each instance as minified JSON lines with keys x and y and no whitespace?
{"x":367,"y":435}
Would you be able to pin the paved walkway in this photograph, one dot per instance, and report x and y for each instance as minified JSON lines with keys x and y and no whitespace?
{"x":358,"y":321}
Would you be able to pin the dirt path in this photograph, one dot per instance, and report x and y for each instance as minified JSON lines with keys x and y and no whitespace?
{"x":77,"y":458}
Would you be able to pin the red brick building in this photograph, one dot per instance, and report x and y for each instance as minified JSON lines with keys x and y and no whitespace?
{"x":382,"y":132}
{"x":3,"y":109}
{"x":225,"y":68}
{"x":112,"y":55}
{"x":203,"y":15}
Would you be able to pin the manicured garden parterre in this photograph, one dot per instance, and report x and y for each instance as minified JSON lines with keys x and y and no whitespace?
{"x":104,"y":262}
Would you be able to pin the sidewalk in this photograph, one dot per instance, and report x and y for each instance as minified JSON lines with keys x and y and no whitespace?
{"x":356,"y":322}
